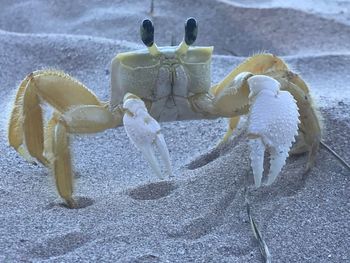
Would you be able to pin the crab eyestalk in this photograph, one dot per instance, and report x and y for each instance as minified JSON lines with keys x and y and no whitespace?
{"x":147,"y":36}
{"x":191,"y":30}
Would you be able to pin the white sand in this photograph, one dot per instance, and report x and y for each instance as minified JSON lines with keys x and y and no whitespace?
{"x":129,"y":216}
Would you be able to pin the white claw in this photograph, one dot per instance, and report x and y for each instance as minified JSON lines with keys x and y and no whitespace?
{"x":277,"y":161}
{"x":273,"y":124}
{"x":148,"y":153}
{"x":257,"y":151}
{"x":145,"y":133}
{"x":164,"y":153}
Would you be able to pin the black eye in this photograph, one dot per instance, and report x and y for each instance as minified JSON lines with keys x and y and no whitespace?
{"x":147,"y":32}
{"x":191,"y":30}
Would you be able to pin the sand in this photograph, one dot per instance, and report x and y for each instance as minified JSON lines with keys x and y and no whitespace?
{"x":126,"y":214}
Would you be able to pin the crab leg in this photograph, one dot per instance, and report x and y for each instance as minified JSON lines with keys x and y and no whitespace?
{"x":80,"y":119}
{"x":145,"y":133}
{"x":62,"y":164}
{"x":77,"y":110}
{"x":310,"y":128}
{"x":233,"y":122}
{"x":91,"y":119}
{"x":26,"y":122}
{"x":15,"y":132}
{"x":15,"y":128}
{"x":33,"y":124}
{"x":48,"y":137}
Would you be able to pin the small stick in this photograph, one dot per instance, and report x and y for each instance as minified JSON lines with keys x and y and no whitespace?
{"x":151,"y":11}
{"x":172,"y":42}
{"x":264,"y":250}
{"x":329,"y":149}
{"x":231,"y":52}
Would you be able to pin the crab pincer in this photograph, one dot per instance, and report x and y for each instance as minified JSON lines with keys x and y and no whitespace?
{"x":145,"y":133}
{"x":272,"y":125}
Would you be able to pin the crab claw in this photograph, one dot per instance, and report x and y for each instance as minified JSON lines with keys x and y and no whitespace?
{"x":272,"y":124}
{"x":145,"y":133}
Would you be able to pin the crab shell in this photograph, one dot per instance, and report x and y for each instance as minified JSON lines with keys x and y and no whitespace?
{"x":165,"y":82}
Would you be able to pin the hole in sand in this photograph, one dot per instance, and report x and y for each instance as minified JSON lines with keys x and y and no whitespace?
{"x":147,"y":258}
{"x":81,"y":202}
{"x":152,"y":191}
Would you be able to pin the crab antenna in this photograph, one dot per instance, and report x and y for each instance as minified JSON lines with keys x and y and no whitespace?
{"x":191,"y":30}
{"x":147,"y":36}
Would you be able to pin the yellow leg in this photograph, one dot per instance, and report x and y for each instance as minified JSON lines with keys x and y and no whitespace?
{"x":33,"y":124}
{"x":231,"y":97}
{"x":15,"y":132}
{"x":233,"y":100}
{"x":231,"y":127}
{"x":25,"y":131}
{"x":62,"y":164}
{"x":48,"y":137}
{"x":257,"y":64}
{"x":81,"y":119}
{"x":91,"y":119}
{"x":300,"y":146}
{"x":310,"y":126}
{"x":231,"y":94}
{"x":62,"y":91}
{"x":15,"y":129}
{"x":77,"y":110}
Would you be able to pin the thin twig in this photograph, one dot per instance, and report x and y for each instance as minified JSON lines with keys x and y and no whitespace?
{"x":264,"y":250}
{"x":329,"y":149}
{"x":151,"y":11}
{"x":231,"y":52}
{"x":172,"y":42}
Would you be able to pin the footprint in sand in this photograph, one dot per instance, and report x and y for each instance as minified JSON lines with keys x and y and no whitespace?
{"x":152,"y":191}
{"x":61,"y":245}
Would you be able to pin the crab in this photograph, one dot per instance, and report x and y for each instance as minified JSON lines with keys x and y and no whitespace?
{"x":170,"y":83}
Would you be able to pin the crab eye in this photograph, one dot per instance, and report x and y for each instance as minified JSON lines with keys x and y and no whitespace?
{"x":147,"y":32}
{"x":191,"y":30}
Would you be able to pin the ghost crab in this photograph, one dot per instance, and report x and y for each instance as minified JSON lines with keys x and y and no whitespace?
{"x":166,"y":84}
